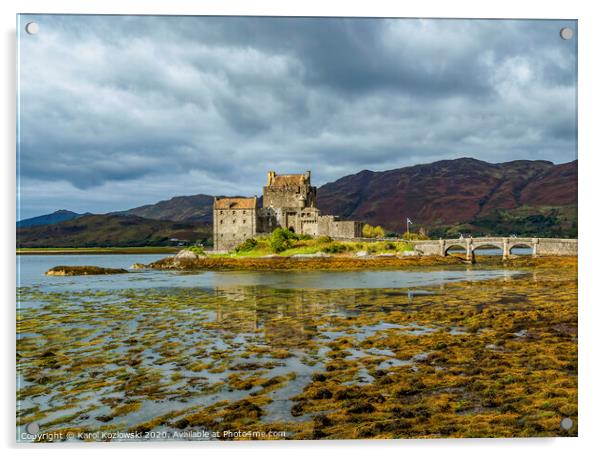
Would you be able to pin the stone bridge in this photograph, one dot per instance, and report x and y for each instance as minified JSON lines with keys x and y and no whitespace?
{"x":540,"y":246}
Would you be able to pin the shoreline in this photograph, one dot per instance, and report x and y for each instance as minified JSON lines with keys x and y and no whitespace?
{"x":345,"y":263}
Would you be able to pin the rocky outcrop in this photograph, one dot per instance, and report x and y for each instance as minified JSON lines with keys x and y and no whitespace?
{"x":83,"y":270}
{"x":185,"y":254}
{"x":310,"y":256}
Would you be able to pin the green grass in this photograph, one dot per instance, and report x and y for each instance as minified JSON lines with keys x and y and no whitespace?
{"x":310,"y":246}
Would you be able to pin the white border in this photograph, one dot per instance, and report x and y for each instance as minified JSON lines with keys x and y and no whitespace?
{"x":590,"y":222}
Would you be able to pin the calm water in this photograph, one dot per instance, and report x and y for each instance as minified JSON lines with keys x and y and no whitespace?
{"x":494,"y":251}
{"x":200,"y":338}
{"x":31,"y":270}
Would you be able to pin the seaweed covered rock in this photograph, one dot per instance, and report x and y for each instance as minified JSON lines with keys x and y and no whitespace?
{"x":64,"y":270}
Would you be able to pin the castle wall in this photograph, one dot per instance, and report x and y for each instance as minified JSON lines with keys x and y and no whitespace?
{"x":330,"y":226}
{"x":346,"y":229}
{"x":325,"y":225}
{"x":296,"y":197}
{"x":268,"y":219}
{"x":231,"y":227}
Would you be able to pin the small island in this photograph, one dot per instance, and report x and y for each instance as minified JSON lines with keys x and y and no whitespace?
{"x":70,"y":270}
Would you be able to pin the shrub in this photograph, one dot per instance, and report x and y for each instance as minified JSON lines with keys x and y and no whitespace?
{"x":324,"y":239}
{"x":304,"y":236}
{"x":368,"y":231}
{"x":282,"y":239}
{"x":373,"y":232}
{"x":379,"y":232}
{"x":248,"y":245}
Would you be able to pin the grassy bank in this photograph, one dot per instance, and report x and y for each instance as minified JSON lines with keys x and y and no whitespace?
{"x":285,"y":243}
{"x":287,"y":263}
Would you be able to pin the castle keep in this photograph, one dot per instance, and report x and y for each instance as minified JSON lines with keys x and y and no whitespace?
{"x":289,"y":201}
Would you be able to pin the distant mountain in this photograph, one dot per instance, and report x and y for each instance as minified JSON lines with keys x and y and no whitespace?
{"x":110,"y":230}
{"x":445,"y":198}
{"x":58,"y":216}
{"x":193,"y":208}
{"x":462,"y":195}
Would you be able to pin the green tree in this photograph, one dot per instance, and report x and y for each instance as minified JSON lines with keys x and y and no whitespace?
{"x":282,"y":239}
{"x":379,"y":232}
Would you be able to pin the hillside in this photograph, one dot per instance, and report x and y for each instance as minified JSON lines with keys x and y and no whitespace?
{"x":446,"y":197}
{"x":54,"y":218}
{"x":193,"y":208}
{"x":110,"y":230}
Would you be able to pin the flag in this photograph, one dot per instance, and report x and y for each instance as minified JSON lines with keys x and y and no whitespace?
{"x":408,"y":220}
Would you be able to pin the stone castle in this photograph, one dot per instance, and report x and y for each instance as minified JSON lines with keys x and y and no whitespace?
{"x":289,"y":201}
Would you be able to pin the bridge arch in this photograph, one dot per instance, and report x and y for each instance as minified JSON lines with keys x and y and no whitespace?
{"x":521,"y":244}
{"x":460,"y":247}
{"x":478,"y":248}
{"x":487,"y":245}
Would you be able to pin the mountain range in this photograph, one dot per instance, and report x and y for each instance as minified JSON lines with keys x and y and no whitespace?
{"x":451,"y":196}
{"x":444,"y":198}
{"x":111,"y":230}
{"x":61,"y":215}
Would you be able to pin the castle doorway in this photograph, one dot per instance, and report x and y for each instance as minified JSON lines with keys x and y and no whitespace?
{"x":292,"y":229}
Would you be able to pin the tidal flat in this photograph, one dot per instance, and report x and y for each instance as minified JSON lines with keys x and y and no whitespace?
{"x":487,"y":358}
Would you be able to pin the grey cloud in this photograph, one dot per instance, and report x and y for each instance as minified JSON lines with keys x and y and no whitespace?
{"x":170,"y":106}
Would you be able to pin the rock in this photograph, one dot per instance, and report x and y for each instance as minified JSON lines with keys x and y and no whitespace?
{"x":185,"y":254}
{"x":310,"y":256}
{"x":386,"y":255}
{"x":138,"y":266}
{"x":83,"y":270}
{"x":409,"y":253}
{"x":361,"y":254}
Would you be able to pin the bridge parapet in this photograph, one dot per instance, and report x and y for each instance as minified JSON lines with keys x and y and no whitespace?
{"x":539,"y":246}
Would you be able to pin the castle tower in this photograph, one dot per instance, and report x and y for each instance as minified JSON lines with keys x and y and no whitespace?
{"x":234,"y":221}
{"x":289,"y":191}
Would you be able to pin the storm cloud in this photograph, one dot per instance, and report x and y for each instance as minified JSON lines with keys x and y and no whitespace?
{"x":120,"y":111}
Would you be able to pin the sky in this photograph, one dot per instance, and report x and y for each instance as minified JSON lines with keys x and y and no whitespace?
{"x":121,"y":111}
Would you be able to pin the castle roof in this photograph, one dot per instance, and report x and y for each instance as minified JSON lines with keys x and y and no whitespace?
{"x":287,"y":180}
{"x":235,"y":203}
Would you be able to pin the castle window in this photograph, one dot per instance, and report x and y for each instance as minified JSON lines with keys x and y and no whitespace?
{"x":221,"y":221}
{"x":234,"y":221}
{"x":244,"y":221}
{"x":221,"y":212}
{"x":244,"y":212}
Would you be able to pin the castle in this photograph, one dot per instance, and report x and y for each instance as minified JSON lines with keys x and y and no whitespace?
{"x":289,"y":201}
